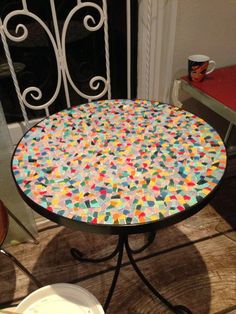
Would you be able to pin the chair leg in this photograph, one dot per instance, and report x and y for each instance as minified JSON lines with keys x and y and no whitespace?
{"x":228,"y":132}
{"x":22,"y":226}
{"x":21,"y":267}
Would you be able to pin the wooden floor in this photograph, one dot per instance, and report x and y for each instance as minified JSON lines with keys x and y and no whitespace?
{"x":191,"y":263}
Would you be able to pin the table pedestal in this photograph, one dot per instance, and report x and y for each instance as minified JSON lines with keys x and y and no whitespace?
{"x":123,"y":242}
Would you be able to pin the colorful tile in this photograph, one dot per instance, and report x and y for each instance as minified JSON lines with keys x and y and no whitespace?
{"x":119,"y":162}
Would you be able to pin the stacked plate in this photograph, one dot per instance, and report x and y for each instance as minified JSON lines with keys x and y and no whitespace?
{"x":60,"y":298}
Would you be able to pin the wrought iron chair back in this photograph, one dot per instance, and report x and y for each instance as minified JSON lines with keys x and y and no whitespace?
{"x":18,"y":32}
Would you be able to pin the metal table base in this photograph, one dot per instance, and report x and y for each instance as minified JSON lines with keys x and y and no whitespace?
{"x":123,"y":242}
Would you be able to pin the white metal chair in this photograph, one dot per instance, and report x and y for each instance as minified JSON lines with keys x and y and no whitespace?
{"x":31,"y":98}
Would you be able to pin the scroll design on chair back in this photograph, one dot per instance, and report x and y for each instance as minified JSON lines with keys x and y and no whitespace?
{"x":98,"y":85}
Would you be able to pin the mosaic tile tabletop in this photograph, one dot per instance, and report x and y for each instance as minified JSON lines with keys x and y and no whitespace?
{"x":119,"y":162}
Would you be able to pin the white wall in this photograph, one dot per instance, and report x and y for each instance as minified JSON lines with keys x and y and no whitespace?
{"x":199,"y":27}
{"x":205,"y":27}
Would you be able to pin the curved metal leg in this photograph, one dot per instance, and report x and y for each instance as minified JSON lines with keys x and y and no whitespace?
{"x":150,"y":239}
{"x":179,"y":309}
{"x":79,"y":256}
{"x":117,"y":271}
{"x":123,"y":241}
{"x":21,"y":267}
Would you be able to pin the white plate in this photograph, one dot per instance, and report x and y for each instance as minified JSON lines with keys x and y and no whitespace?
{"x":60,"y":298}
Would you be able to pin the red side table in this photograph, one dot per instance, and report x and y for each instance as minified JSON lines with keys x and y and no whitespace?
{"x":217,"y":92}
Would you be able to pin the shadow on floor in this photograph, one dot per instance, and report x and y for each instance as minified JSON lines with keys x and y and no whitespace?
{"x":172,"y":270}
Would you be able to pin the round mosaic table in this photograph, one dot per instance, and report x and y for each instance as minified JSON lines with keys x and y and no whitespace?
{"x":120,"y":167}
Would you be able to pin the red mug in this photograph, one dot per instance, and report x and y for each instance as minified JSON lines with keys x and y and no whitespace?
{"x":197,"y":67}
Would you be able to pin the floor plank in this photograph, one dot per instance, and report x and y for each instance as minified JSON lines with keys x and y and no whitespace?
{"x":191,"y":263}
